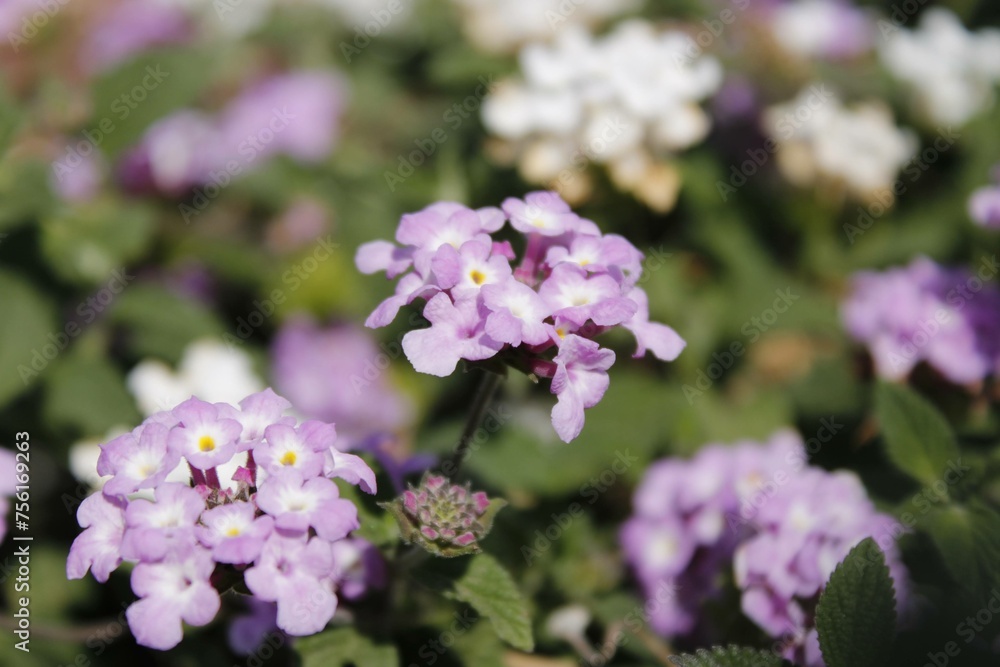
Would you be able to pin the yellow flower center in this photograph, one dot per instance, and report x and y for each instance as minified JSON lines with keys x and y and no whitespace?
{"x":206,"y":443}
{"x":288,"y":459}
{"x":477,"y":276}
{"x":233,"y":532}
{"x":561,"y":332}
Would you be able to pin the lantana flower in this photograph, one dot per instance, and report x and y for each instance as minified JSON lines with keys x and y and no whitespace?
{"x":259,"y":502}
{"x":540,"y":313}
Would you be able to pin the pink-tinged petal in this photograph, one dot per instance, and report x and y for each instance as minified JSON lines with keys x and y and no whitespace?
{"x":665,"y":343}
{"x":383,"y":256}
{"x":567,"y":416}
{"x":336,"y":519}
{"x":491,"y":218}
{"x":465,"y":539}
{"x":155,"y":622}
{"x":305,"y":607}
{"x":504,"y":327}
{"x":431,"y":351}
{"x":503,"y":249}
{"x":352,"y":469}
{"x":203,"y":604}
{"x":447,"y":266}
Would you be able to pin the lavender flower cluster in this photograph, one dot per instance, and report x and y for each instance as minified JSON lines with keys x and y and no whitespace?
{"x":984,"y":204}
{"x":760,"y":509}
{"x":946,"y":317}
{"x":571,"y":283}
{"x":261,"y":503}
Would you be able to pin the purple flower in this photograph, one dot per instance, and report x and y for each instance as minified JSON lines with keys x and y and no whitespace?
{"x":131,"y":28}
{"x":517,"y":314}
{"x":205,"y":438}
{"x":234,"y":533}
{"x":98,"y":548}
{"x":984,"y":204}
{"x":570,"y":279}
{"x":360,"y":567}
{"x":297,"y":504}
{"x":294,"y":573}
{"x":924,"y":312}
{"x":256,"y":413}
{"x":289,"y":448}
{"x":172,"y":591}
{"x":350,"y":468}
{"x":249,"y":631}
{"x":337,"y":374}
{"x":457,"y":331}
{"x":138,"y":460}
{"x":580,"y":382}
{"x":156,"y":529}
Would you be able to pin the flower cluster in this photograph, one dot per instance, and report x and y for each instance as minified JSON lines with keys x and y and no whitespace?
{"x":293,"y":114}
{"x":781,"y":525}
{"x":501,"y":26}
{"x":952,"y":71}
{"x":260,"y":502}
{"x":446,"y":519}
{"x":984,"y":205}
{"x":629,"y":100}
{"x":947,"y":317}
{"x":821,"y":140}
{"x":571,"y":284}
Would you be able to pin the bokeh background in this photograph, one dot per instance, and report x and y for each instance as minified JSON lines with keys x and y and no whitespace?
{"x":184,"y":184}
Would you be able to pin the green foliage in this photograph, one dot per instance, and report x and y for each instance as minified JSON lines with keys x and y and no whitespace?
{"x":856,"y":615}
{"x":88,"y":395}
{"x":917,"y":437}
{"x":345,"y":647}
{"x":729,"y":656}
{"x":968,"y":539}
{"x":24,"y":331}
{"x":161,"y":324}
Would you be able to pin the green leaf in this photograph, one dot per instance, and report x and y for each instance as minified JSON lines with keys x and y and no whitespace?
{"x":489,"y":589}
{"x":88,"y":395}
{"x":917,"y":437}
{"x":728,"y":656}
{"x":856,"y":615}
{"x":968,"y":539}
{"x":25,"y":330}
{"x":345,"y":647}
{"x":161,"y":324}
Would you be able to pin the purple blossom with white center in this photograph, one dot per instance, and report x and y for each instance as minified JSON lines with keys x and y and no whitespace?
{"x":173,"y":591}
{"x":483,"y":302}
{"x":946,"y":317}
{"x":580,"y":381}
{"x":272,"y":505}
{"x":457,"y":331}
{"x":760,"y":513}
{"x":234,"y":532}
{"x":165,"y":526}
{"x":984,"y":204}
{"x":295,"y":573}
{"x":138,"y":460}
{"x":98,"y":547}
{"x":297,"y":504}
{"x":205,"y":438}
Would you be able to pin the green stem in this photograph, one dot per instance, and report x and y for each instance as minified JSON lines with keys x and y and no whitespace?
{"x":487,"y":389}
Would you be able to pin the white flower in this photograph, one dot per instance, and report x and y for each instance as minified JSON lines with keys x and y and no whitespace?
{"x":951,"y":70}
{"x":818,"y":137}
{"x":629,"y":100}
{"x":822,"y":29}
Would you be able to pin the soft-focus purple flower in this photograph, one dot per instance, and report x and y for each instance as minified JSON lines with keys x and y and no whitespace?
{"x":949,"y":318}
{"x":542,"y":213}
{"x":138,"y":460}
{"x":233,"y":532}
{"x":172,"y":591}
{"x":78,"y":183}
{"x":297,"y":504}
{"x":828,"y":29}
{"x":360,"y":567}
{"x":457,"y":332}
{"x":580,"y":382}
{"x":575,"y":297}
{"x":984,"y":204}
{"x":156,"y":529}
{"x":130,"y":28}
{"x":98,"y":547}
{"x":248,"y":631}
{"x":337,"y":374}
{"x":294,"y":573}
{"x":205,"y":437}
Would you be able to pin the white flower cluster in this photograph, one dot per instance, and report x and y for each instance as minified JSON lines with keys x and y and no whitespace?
{"x":952,"y":71}
{"x":628,"y":100}
{"x":830,"y":29}
{"x":820,"y":140}
{"x":503,"y":26}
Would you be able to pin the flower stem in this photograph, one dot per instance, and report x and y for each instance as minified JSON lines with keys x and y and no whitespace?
{"x":487,"y":388}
